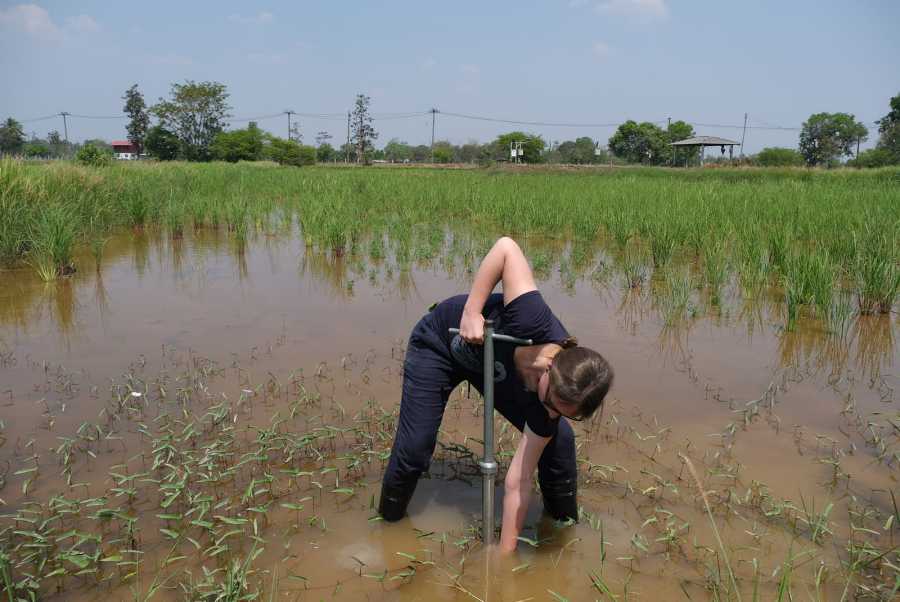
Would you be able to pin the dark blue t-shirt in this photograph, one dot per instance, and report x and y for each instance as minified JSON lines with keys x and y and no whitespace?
{"x":528,"y":317}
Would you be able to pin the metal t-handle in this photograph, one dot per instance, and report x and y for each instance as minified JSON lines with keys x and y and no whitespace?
{"x":505,"y":338}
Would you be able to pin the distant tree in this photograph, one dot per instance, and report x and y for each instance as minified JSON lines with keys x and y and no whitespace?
{"x":322,"y":137}
{"x":290,"y":152}
{"x":93,"y":156}
{"x":99,"y":143}
{"x":468,"y":152}
{"x":532,"y":146}
{"x":889,"y":131}
{"x":294,"y":133}
{"x":397,"y":151}
{"x":874,"y":157}
{"x":58,"y":146}
{"x":161,"y":144}
{"x":238,"y":145}
{"x":421,"y":153}
{"x":443,"y":152}
{"x":363,"y":133}
{"x":579,"y":152}
{"x":35,"y":149}
{"x":138,"y":117}
{"x":12,"y":137}
{"x":893,"y":116}
{"x":325,"y":153}
{"x":347,"y":152}
{"x":640,"y":143}
{"x":680,"y":130}
{"x":195,"y":113}
{"x":778,"y":157}
{"x":827,"y":137}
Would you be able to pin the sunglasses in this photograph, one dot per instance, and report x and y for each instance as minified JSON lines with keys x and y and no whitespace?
{"x":549,"y":404}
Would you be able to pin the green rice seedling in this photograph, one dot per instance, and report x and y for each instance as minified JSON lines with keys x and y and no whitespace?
{"x":632,"y":266}
{"x":51,"y":242}
{"x":662,"y":238}
{"x":877,"y":271}
{"x":675,"y":298}
{"x":715,"y":268}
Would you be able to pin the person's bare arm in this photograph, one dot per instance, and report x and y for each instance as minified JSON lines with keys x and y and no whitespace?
{"x":517,"y":491}
{"x":504,"y":262}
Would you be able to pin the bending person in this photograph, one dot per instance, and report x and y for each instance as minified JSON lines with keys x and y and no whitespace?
{"x":534,"y":387}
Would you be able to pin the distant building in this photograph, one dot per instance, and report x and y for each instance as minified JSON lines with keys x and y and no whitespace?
{"x":125,"y":150}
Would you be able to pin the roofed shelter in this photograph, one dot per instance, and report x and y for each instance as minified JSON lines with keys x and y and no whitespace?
{"x":704,"y":141}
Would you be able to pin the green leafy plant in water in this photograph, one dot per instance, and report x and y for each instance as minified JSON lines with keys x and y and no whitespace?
{"x":52,"y":241}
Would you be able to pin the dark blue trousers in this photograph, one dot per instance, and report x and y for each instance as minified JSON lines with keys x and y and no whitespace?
{"x":429,"y":376}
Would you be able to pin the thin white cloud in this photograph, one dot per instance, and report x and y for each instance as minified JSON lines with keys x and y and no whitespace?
{"x":653,"y":9}
{"x":428,"y":63}
{"x":262,"y":18}
{"x":600,"y":50}
{"x":31,"y":19}
{"x":470,"y":69}
{"x":34,"y":20}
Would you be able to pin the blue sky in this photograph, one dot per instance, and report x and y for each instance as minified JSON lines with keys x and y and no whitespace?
{"x":571,"y":61}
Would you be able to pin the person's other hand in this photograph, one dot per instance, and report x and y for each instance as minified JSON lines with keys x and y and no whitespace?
{"x":471,"y":327}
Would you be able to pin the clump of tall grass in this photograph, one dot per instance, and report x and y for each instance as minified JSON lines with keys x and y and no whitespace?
{"x":51,"y":242}
{"x":633,"y":266}
{"x":875,"y":265}
{"x":809,"y":280}
{"x":715,"y":268}
{"x":674,"y":300}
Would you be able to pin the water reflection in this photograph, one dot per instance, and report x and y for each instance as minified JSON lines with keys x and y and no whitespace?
{"x":870,"y":343}
{"x":149,"y":260}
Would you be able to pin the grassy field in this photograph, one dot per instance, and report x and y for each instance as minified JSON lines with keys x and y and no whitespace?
{"x":827,"y":240}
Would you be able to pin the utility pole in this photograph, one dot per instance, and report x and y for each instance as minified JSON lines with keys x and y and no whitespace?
{"x":669,"y":129}
{"x":64,"y":114}
{"x":743,"y":135}
{"x":289,"y":113}
{"x":857,"y":147}
{"x":433,"y":112}
{"x":348,"y":136}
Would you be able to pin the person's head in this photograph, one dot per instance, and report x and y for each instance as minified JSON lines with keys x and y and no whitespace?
{"x":576,"y":382}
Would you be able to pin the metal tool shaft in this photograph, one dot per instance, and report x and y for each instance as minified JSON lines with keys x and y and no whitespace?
{"x":488,"y":463}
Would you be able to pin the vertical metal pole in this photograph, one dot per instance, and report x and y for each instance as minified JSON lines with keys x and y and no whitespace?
{"x":743,"y":134}
{"x":433,"y":111}
{"x":488,"y":464}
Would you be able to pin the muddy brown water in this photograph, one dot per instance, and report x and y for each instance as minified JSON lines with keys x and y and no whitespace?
{"x":279,"y":310}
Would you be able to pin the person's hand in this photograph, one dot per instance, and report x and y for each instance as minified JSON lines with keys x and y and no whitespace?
{"x":471,"y":327}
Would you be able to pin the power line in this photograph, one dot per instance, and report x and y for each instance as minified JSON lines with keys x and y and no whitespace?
{"x":54,"y":116}
{"x":538,"y":123}
{"x":96,"y":116}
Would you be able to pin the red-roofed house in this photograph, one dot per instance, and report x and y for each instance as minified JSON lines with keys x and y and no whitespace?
{"x":125,"y":149}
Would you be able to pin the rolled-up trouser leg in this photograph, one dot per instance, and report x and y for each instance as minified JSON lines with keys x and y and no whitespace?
{"x":428,"y":379}
{"x":558,"y":475}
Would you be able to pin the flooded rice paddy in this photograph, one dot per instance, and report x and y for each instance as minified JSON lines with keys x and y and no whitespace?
{"x":204,"y":420}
